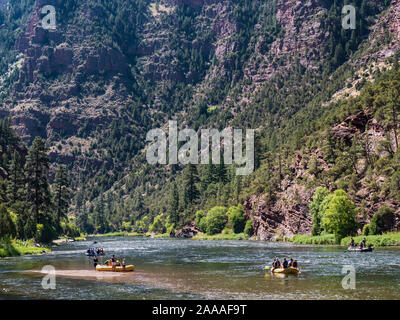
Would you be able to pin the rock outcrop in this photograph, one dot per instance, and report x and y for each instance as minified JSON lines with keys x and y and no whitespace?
{"x":187,"y":232}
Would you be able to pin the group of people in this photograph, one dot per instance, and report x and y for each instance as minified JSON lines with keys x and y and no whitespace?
{"x":285,"y":263}
{"x":92,"y":251}
{"x":361,"y":245}
{"x":113,"y":262}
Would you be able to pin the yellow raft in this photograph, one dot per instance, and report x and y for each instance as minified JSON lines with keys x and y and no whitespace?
{"x":117,"y":269}
{"x":284,"y":271}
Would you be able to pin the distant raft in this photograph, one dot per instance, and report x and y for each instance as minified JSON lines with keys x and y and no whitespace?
{"x":284,"y":271}
{"x":116,"y":269}
{"x":352,"y":249}
{"x":294,"y":271}
{"x":92,"y":254}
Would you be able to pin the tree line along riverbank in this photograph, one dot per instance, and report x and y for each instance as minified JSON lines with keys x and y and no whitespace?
{"x":383,"y":240}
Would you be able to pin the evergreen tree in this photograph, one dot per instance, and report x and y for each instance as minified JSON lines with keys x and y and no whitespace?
{"x":37,"y":187}
{"x":190,"y":180}
{"x":100,"y":217}
{"x":15,"y":185}
{"x":62,"y":195}
{"x":83,"y":222}
{"x":173,"y":210}
{"x":210,"y":175}
{"x":394,"y":110}
{"x":221,"y":173}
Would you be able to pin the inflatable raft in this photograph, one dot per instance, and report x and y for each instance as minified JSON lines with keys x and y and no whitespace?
{"x":355,"y":249}
{"x":117,"y":269}
{"x":284,"y":271}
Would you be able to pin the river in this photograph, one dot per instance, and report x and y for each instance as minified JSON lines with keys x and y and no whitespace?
{"x":189,"y":269}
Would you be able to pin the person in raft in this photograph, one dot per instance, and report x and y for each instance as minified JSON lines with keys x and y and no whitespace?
{"x":113,"y":262}
{"x":95,"y":261}
{"x":284,"y":263}
{"x":276,"y":264}
{"x":351,"y":242}
{"x":364,"y":242}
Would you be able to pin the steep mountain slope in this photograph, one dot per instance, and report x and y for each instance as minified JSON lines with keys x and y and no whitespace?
{"x":112,"y":70}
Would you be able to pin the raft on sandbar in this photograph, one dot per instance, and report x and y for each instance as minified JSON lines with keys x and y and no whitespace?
{"x":115,"y":269}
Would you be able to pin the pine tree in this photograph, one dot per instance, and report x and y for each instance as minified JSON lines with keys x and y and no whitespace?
{"x":191,"y":178}
{"x":62,"y":195}
{"x":221,"y":174}
{"x":394,"y":109}
{"x":15,"y":185}
{"x":173,"y":210}
{"x":100,"y":217}
{"x":37,"y":187}
{"x":83,"y":222}
{"x":209,"y":177}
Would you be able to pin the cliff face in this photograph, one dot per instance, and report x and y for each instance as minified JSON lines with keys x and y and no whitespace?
{"x":112,"y":70}
{"x":304,"y":38}
{"x":289,"y":214}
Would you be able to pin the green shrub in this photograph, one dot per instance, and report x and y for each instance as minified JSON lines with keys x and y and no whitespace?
{"x":199,"y":215}
{"x":248,"y":229}
{"x":382,"y":221}
{"x":126,"y":226}
{"x":45,"y":233}
{"x":366,"y":230}
{"x":317,"y":209}
{"x":7,"y":226}
{"x":340,"y":216}
{"x":215,"y":220}
{"x":158,"y":224}
{"x":70,"y":230}
{"x":237,"y":218}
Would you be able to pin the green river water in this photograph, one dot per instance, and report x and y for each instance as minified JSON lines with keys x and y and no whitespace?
{"x":189,"y":269}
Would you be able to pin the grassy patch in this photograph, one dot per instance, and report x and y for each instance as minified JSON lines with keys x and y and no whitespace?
{"x":162,"y":235}
{"x":317,"y":240}
{"x":384,"y":240}
{"x":220,"y":236}
{"x":118,"y":234}
{"x":80,"y":239}
{"x":15,"y":248}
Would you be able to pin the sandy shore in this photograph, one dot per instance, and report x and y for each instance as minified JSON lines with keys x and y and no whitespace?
{"x":85,"y":274}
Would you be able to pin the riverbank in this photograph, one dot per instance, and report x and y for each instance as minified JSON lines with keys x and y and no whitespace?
{"x":222,"y":236}
{"x":117,"y":234}
{"x":327,"y":239}
{"x":16,"y":248}
{"x":384,"y":240}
